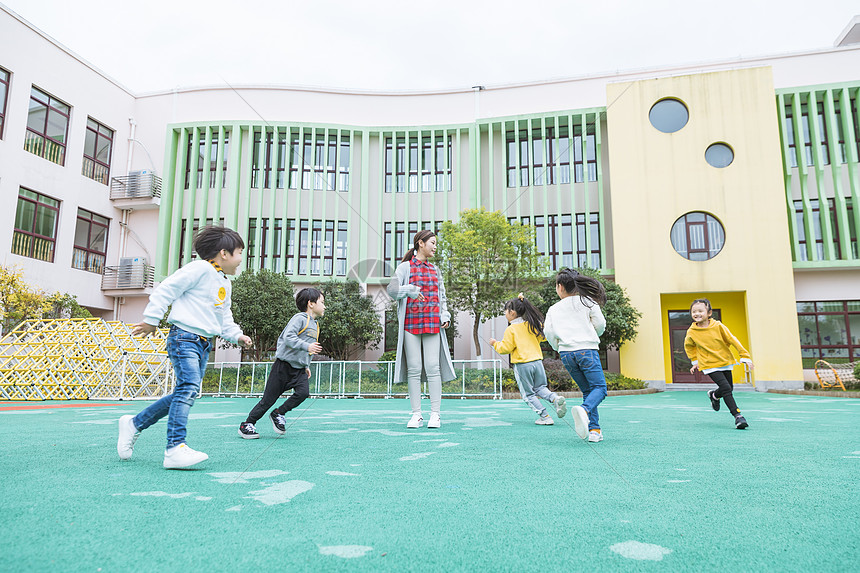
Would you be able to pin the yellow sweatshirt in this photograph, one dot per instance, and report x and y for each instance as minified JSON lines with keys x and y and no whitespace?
{"x":520,"y":342}
{"x":709,"y":347}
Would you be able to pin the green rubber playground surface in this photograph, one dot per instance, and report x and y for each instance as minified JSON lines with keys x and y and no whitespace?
{"x":673,"y":487}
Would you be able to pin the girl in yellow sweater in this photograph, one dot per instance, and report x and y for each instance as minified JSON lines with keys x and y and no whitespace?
{"x":522,"y":341}
{"x":708,"y":344}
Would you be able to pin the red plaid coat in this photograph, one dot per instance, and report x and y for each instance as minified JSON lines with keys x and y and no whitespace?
{"x":423,"y":317}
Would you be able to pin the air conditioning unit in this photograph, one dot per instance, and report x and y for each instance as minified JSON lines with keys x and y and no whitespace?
{"x":131,"y":272}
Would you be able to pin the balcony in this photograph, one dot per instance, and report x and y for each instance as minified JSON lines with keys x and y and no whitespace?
{"x":133,"y":277}
{"x":137,"y":190}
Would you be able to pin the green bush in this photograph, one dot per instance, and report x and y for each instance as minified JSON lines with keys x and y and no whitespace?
{"x":857,"y":371}
{"x":560,"y":381}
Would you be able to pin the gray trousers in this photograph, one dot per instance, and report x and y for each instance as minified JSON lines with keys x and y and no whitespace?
{"x":413,"y":345}
{"x":531,"y":379}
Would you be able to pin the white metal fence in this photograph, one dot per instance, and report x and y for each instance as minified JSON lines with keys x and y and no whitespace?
{"x":353,"y":379}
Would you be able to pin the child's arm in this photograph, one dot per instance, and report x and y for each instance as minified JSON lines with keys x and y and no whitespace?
{"x":598,"y":321}
{"x":163,"y":296}
{"x":399,"y":286}
{"x":731,"y":340}
{"x":692,"y":352}
{"x":290,"y":334}
{"x":549,"y":331}
{"x":507,"y":344}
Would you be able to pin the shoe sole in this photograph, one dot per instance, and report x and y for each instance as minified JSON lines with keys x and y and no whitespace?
{"x":247,"y":436}
{"x":275,"y":427}
{"x":432,"y":426}
{"x":715,"y":404}
{"x":185,"y":466}
{"x":540,"y":423}
{"x":561,"y":408}
{"x":580,"y":421}
{"x":742,"y":426}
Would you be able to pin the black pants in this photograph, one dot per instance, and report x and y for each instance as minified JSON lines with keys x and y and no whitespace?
{"x":723,"y":379}
{"x":282,"y":377}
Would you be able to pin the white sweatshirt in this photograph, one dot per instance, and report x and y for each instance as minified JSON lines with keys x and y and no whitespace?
{"x":574,"y":323}
{"x":200,"y":296}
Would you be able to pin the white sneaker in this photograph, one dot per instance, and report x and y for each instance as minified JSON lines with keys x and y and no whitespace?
{"x":182,"y":456}
{"x":127,"y":437}
{"x":580,"y":421}
{"x":595,"y":436}
{"x":560,"y":408}
{"x":544,"y":421}
{"x":415,"y":421}
{"x":435,"y":421}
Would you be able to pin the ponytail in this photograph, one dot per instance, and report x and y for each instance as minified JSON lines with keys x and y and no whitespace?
{"x":528,"y":312}
{"x":422,"y":236}
{"x":576,"y":283}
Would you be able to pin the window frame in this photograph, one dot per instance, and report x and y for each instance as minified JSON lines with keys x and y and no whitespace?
{"x":93,"y":260}
{"x":7,"y":82}
{"x":49,"y":107}
{"x":819,"y":349}
{"x":94,"y":161}
{"x":34,"y":237}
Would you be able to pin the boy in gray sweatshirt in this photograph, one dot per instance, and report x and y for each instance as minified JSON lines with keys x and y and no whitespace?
{"x":291,"y":369}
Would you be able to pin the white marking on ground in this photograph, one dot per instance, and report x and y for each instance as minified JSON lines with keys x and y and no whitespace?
{"x":625,"y":521}
{"x":640,"y":551}
{"x":243,"y":477}
{"x":337,"y":473}
{"x":163,"y":494}
{"x":216,"y":415}
{"x":480,"y":422}
{"x":779,"y":420}
{"x":433,"y":440}
{"x":202,"y":498}
{"x":680,"y":469}
{"x":448,"y":445}
{"x":355,"y":465}
{"x":857,"y":453}
{"x":851,"y":457}
{"x":98,"y":422}
{"x":414,"y":457}
{"x":634,"y":421}
{"x":345,"y":551}
{"x":281,"y":492}
{"x":234,"y":508}
{"x":678,"y":480}
{"x":385,"y":432}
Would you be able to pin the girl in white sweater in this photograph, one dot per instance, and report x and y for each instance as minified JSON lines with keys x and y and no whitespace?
{"x":573,"y":327}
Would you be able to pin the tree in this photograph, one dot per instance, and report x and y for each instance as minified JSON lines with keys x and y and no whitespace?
{"x":66,"y":306}
{"x":621,"y":318}
{"x":350,"y":323}
{"x":485,"y":260}
{"x":18,"y":300}
{"x":263,"y":303}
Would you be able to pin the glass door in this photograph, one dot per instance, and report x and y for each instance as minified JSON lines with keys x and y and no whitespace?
{"x":679,"y":322}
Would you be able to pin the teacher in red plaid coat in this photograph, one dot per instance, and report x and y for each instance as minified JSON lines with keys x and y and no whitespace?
{"x":422,"y":313}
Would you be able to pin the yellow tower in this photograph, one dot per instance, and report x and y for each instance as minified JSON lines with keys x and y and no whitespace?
{"x":690,"y":224}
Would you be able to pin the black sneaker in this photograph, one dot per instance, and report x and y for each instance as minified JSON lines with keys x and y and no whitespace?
{"x":740,"y":422}
{"x":248,"y":431}
{"x":278,"y":422}
{"x":715,"y":402}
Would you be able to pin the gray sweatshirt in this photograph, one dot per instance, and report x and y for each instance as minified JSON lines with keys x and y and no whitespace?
{"x":294,"y":341}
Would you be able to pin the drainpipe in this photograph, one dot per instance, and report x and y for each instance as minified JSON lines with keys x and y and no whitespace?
{"x":133,"y":125}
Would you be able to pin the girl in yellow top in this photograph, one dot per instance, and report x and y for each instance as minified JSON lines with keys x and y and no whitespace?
{"x":708,"y":344}
{"x":522,"y":341}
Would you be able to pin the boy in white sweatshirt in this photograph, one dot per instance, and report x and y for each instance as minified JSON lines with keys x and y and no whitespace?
{"x":200,"y":295}
{"x":573,"y":327}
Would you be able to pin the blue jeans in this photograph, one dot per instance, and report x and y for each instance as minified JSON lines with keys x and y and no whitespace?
{"x":189,"y":354}
{"x":584,"y":367}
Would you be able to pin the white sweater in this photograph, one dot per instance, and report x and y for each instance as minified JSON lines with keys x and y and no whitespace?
{"x":574,"y":323}
{"x":200,"y":296}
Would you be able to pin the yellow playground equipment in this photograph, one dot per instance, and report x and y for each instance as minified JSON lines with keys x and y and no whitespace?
{"x":82,"y":359}
{"x":830,"y":376}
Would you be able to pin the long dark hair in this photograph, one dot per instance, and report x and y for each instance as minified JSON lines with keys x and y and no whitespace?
{"x":419,"y":236}
{"x":576,"y":283}
{"x":527,"y":312}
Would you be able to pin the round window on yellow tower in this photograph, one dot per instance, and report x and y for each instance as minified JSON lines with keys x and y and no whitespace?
{"x":719,"y":155}
{"x":668,"y":115}
{"x":697,"y":236}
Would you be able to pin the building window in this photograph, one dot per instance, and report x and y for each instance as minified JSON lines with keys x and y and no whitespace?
{"x":314,"y":162}
{"x":719,"y":155}
{"x":807,"y":138}
{"x":91,"y":232}
{"x":195,"y":227}
{"x":4,"y":93}
{"x":584,"y":257}
{"x":429,"y":170}
{"x":554,"y":238}
{"x":35,"y":231}
{"x":697,"y":236}
{"x":551,"y":156}
{"x":829,"y":331}
{"x":201,"y":160}
{"x":291,"y":245}
{"x":818,"y":236}
{"x":98,"y":143}
{"x":303,"y":247}
{"x":47,"y":127}
{"x":340,"y":256}
{"x":668,"y":115}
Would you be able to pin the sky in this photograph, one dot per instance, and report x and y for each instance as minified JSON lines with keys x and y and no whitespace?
{"x":402,"y":45}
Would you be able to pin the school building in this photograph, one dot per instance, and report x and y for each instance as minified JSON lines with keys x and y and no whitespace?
{"x":733,"y":180}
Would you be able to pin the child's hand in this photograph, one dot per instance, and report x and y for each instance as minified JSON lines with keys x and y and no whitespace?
{"x":693,"y":369}
{"x":143,"y":328}
{"x":446,"y":324}
{"x":492,"y":341}
{"x":308,"y":370}
{"x":246,"y":341}
{"x":315,"y":348}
